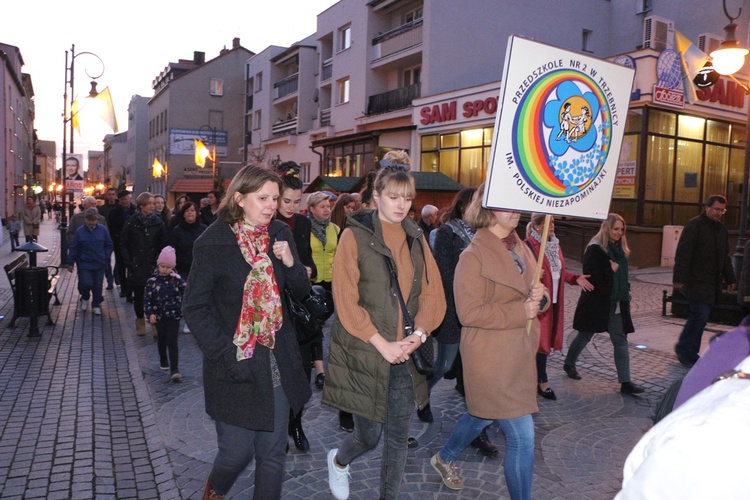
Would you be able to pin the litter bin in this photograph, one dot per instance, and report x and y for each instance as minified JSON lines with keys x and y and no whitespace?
{"x":32,"y":296}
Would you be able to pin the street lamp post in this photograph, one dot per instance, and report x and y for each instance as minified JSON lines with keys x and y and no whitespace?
{"x":68,"y":121}
{"x":727,"y":60}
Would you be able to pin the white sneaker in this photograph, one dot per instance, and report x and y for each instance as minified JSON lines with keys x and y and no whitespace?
{"x":185,"y":329}
{"x":97,"y":311}
{"x":84,"y":305}
{"x":338,"y":478}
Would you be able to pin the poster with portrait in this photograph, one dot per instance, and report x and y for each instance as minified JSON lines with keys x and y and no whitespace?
{"x":73,"y":173}
{"x":558,"y":133}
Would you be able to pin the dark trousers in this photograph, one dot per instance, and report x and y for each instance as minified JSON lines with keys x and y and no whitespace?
{"x":689,"y":343}
{"x":14,"y":241}
{"x":541,"y":368}
{"x":367,"y":433}
{"x":238,"y":446}
{"x":138,"y":300}
{"x":121,"y":272}
{"x":167,"y":331}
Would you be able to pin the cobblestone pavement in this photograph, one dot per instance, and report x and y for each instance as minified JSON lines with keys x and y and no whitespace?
{"x":85,"y":412}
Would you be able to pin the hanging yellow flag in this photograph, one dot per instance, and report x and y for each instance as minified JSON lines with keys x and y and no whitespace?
{"x":74,"y":116}
{"x":107,"y":110}
{"x":201,"y":153}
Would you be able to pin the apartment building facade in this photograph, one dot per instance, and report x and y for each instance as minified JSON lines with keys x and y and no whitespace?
{"x":425,"y":77}
{"x":17,"y":138}
{"x":201,"y":100}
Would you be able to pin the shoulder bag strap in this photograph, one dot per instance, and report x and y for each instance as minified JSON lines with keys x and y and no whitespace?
{"x":409,"y":326}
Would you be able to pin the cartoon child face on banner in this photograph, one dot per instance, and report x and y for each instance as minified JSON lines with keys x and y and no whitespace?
{"x":562,"y":116}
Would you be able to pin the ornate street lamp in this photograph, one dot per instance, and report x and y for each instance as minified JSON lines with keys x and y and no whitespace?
{"x":68,"y":114}
{"x":728,"y":59}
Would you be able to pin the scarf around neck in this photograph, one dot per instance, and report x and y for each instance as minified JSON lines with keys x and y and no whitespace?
{"x":463,"y":230}
{"x":620,"y":288}
{"x":551,"y":250}
{"x":319,"y":228}
{"x":261,"y":316}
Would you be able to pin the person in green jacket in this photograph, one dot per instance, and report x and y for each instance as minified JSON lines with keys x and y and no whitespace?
{"x":370,"y":370}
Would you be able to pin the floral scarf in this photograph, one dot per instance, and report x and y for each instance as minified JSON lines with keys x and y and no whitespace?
{"x":261,"y":315}
{"x":551,"y":250}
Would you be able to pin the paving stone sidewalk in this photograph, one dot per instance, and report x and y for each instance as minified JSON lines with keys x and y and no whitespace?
{"x":85,"y":412}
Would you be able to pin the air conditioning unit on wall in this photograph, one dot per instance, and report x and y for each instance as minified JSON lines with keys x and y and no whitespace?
{"x":658,"y":33}
{"x":708,"y":42}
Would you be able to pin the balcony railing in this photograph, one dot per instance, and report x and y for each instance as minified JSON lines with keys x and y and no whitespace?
{"x":405,"y":36}
{"x":286,"y":85}
{"x":325,"y":117}
{"x":286,"y":127}
{"x":326,"y":71}
{"x":392,"y":100}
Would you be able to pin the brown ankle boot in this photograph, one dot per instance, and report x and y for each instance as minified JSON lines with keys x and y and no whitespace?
{"x":140,"y":326}
{"x":209,"y":493}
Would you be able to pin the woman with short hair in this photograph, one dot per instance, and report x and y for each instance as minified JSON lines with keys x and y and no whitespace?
{"x":141,"y":241}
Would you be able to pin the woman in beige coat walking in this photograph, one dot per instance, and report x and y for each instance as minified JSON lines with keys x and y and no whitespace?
{"x":495,"y":299}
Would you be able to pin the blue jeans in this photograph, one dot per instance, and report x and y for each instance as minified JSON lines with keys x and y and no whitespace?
{"x":238,"y":446}
{"x":367,"y":433}
{"x":90,"y":281}
{"x":689,"y":343}
{"x":445,"y":358}
{"x":519,"y":454}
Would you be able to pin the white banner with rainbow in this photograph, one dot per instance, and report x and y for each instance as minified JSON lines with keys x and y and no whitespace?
{"x":558,"y":133}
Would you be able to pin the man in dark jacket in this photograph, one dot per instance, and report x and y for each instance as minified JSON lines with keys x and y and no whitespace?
{"x":115,"y":222}
{"x":702,"y":265}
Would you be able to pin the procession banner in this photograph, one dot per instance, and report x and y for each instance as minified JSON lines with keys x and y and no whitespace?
{"x":558,"y":133}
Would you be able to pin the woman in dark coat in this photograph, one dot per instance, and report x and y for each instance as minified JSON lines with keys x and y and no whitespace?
{"x":183,"y":236}
{"x":312,"y":350}
{"x":141,"y":240}
{"x":252,"y":371}
{"x":606,"y":308}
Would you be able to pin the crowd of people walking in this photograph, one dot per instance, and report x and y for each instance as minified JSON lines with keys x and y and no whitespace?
{"x":230,"y":271}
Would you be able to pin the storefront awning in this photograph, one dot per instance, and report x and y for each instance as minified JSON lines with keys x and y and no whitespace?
{"x":196,"y":185}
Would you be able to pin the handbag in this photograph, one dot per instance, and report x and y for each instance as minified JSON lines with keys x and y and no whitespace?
{"x":305,"y":314}
{"x":424,"y":355}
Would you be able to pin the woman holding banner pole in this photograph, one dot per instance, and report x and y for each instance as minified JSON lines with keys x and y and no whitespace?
{"x":497,"y":302}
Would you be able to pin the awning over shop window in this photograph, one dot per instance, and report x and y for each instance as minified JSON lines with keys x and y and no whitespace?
{"x":195,"y":185}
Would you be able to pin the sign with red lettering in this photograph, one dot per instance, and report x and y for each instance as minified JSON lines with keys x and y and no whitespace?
{"x":669,"y":97}
{"x":456,"y":111}
{"x":724,"y":92}
{"x":558,"y":133}
{"x":625,"y":180}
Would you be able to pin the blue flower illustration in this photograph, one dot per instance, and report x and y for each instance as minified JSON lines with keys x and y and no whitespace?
{"x":567,"y":116}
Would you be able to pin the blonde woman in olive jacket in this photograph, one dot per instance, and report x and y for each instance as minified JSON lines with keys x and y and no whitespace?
{"x":370,"y":370}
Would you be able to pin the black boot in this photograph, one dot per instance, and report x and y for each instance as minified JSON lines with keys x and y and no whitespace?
{"x":295,"y":430}
{"x":483,"y":444}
